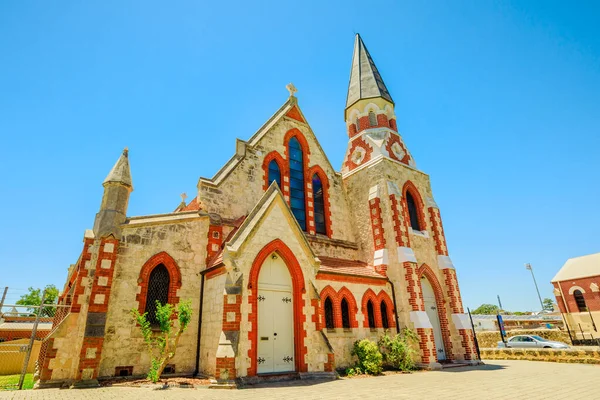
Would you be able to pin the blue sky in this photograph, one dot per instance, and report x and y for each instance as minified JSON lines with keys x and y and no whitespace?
{"x":497,"y":101}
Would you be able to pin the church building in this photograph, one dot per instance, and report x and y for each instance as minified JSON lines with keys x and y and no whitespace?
{"x":286,"y":260}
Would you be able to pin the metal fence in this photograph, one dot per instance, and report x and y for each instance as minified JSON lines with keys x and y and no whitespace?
{"x":23,"y":329}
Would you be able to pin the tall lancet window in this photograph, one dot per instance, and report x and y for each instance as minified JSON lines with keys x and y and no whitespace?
{"x":158,"y":289}
{"x":372,"y":118}
{"x":371,"y":314}
{"x":319,"y":204}
{"x":329,"y":324}
{"x":412,"y":212}
{"x":297,"y":200}
{"x":345,"y":314}
{"x":385,"y":323}
{"x":274,"y":173}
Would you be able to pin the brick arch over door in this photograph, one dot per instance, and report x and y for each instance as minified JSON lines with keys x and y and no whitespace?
{"x":298,"y":288}
{"x":175,"y":278}
{"x":427,"y":272}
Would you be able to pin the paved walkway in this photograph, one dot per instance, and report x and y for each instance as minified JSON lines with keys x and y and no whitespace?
{"x":495,"y":380}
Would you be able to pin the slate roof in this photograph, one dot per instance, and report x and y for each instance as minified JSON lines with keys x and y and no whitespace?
{"x":120,"y":171}
{"x":365,"y":80}
{"x":347,"y":267}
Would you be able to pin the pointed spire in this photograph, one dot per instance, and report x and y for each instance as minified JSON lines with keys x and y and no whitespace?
{"x":365,"y":81}
{"x":120,"y":172}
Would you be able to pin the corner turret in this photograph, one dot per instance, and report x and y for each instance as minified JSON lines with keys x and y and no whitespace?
{"x":117,"y":188}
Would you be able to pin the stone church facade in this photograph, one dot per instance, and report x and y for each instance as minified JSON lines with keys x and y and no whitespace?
{"x":287,"y":261}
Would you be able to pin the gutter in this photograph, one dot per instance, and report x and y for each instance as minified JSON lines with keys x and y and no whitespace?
{"x":197,"y":370}
{"x":395,"y":308}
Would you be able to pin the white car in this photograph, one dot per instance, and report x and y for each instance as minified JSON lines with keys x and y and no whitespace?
{"x":531,"y":342}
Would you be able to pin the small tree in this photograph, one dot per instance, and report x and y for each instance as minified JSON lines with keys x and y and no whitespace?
{"x":162,"y":344}
{"x":487,"y":309}
{"x":34,"y":298}
{"x":548,"y":304}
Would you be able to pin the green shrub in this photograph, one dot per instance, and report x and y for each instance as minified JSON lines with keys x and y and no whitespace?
{"x":370,"y":359}
{"x":398,"y":351}
{"x":162,"y":345}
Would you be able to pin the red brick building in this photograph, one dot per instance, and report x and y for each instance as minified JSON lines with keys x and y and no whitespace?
{"x":577,"y":291}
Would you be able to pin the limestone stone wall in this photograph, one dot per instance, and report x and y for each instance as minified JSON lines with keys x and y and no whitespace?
{"x":242,"y":188}
{"x":185,"y":242}
{"x":212,"y":321}
{"x":276,"y":225}
{"x":587,"y":356}
{"x":358,"y":186}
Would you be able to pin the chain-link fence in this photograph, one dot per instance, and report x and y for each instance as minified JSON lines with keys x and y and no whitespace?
{"x":23,"y":329}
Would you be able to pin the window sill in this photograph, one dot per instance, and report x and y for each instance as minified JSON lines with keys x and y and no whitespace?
{"x":424,"y":234}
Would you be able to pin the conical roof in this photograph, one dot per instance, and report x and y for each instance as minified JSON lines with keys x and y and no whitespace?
{"x":365,"y":81}
{"x":120,"y":173}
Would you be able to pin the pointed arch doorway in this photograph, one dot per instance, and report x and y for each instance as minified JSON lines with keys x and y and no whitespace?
{"x":431,"y":308}
{"x":275,"y":317}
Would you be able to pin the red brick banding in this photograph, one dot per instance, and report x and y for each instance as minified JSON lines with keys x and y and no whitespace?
{"x":388,"y":146}
{"x":215,"y":239}
{"x":82,"y":272}
{"x":298,"y":289}
{"x":438,"y":231}
{"x":90,"y":363}
{"x":399,"y":222}
{"x":363,"y":280}
{"x":103,"y":272}
{"x":294,"y":113}
{"x":358,"y":142}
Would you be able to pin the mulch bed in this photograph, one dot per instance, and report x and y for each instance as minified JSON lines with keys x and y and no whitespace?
{"x":176,"y":382}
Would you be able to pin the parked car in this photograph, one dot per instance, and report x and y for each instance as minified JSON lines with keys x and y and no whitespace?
{"x":532,"y":341}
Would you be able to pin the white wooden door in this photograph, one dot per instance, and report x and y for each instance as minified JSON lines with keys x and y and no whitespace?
{"x":275,"y":318}
{"x":434,"y":317}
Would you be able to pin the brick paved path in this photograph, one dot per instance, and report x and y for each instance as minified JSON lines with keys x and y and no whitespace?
{"x":495,"y":380}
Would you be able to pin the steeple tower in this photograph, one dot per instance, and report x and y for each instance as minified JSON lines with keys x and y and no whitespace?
{"x":369,"y":114}
{"x":117,"y":188}
{"x":365,"y":81}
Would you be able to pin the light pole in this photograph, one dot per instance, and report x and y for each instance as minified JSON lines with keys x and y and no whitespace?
{"x":528,"y":266}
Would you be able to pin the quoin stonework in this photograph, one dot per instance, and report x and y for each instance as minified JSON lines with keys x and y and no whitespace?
{"x":286,"y":260}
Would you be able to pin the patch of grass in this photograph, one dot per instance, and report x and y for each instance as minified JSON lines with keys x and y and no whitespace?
{"x":11,"y":382}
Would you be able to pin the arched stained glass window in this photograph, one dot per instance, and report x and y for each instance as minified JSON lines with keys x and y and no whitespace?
{"x":412,"y":212}
{"x":345,"y":314}
{"x":370,"y":314}
{"x":297,"y":199}
{"x":274,"y":173}
{"x":580,"y":300}
{"x":384,"y":315}
{"x":329,"y":324}
{"x":372,"y":118}
{"x":319,"y":204}
{"x":158,"y":289}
